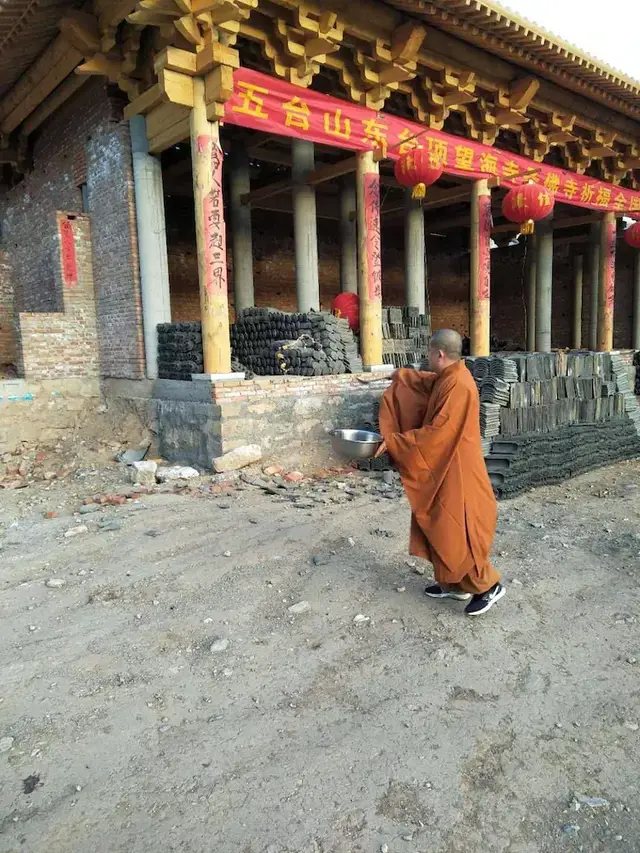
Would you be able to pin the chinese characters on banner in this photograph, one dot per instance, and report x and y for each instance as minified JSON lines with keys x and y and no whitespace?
{"x":214,"y":226}
{"x":68,"y":254}
{"x":610,"y":276}
{"x":274,"y":106}
{"x":372,"y":235}
{"x":484,"y":246}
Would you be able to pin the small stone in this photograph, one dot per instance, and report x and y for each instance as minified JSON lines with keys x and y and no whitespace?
{"x":384,"y":848}
{"x":143,"y":473}
{"x":361,"y":619}
{"x":320,"y":559}
{"x":388,"y":478}
{"x":76,"y":531}
{"x":632,"y":660}
{"x":351,"y":541}
{"x":516,"y":582}
{"x":238,"y":458}
{"x":401,"y":589}
{"x":570,"y":829}
{"x":51,"y":513}
{"x":294,"y":477}
{"x":6,"y":743}
{"x":592,"y":802}
{"x":87,"y":509}
{"x":176,"y":472}
{"x":299,"y":608}
{"x":55,"y":583}
{"x":221,"y":644}
{"x":538,"y":525}
{"x":108,"y":525}
{"x":273,"y":470}
{"x":226,"y":554}
{"x":633,"y":727}
{"x":407,"y":837}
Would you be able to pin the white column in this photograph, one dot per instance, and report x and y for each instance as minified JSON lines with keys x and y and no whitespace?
{"x":152,"y":241}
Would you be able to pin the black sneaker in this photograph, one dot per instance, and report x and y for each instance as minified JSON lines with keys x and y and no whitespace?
{"x":436,"y":591}
{"x":481,"y":603}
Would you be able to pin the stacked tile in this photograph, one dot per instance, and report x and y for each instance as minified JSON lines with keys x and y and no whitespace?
{"x":489,"y":420}
{"x":405,"y":337}
{"x":623,"y":386}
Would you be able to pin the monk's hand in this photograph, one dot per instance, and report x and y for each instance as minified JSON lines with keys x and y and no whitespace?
{"x":381,"y":450}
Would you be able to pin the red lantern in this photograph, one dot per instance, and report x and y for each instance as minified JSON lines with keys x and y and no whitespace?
{"x":632,"y":236}
{"x":527,"y":204}
{"x":418,"y":169}
{"x":348,"y":305}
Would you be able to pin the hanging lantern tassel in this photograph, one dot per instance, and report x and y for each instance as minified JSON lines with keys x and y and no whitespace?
{"x":419,"y":191}
{"x":528,"y":227}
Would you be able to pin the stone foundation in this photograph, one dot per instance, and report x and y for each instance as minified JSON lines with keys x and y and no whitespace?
{"x":42,"y":412}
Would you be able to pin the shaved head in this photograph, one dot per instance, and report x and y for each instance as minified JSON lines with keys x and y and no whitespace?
{"x":448,"y":342}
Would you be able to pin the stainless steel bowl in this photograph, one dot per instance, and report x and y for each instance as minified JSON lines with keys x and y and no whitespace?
{"x":355,"y":443}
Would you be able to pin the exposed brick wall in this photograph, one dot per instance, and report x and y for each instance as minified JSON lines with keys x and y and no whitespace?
{"x":85,"y":141}
{"x":115,"y":252}
{"x":448,"y":273}
{"x":7,"y":314}
{"x":64,"y":345}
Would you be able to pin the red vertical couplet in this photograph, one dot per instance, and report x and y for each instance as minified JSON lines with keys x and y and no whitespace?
{"x":610,"y":266}
{"x":484,"y":246}
{"x":214,"y":227}
{"x":372,"y":236}
{"x":68,"y":254}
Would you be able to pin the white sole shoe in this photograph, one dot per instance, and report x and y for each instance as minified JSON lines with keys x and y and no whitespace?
{"x":441,"y":593}
{"x":488,"y":603}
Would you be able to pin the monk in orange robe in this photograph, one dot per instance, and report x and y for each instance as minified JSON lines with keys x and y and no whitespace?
{"x":431,"y":429}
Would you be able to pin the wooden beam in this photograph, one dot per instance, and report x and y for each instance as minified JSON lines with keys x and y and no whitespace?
{"x":101,"y":66}
{"x":557,"y":224}
{"x":147,"y":101}
{"x":215,"y":54}
{"x":52,"y":103}
{"x":177,"y":88}
{"x":264,"y":193}
{"x":334,"y":170}
{"x":406,"y":41}
{"x":522,"y":92}
{"x":175,"y":59}
{"x":188,"y":28}
{"x":82,"y":31}
{"x":45,"y":75}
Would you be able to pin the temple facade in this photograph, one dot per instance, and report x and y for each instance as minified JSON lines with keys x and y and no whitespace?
{"x":168,"y":162}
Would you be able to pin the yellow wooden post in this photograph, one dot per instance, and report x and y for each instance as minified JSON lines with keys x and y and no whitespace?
{"x":607,"y":281}
{"x":369,"y":259}
{"x":480,"y":252}
{"x":206,"y":157}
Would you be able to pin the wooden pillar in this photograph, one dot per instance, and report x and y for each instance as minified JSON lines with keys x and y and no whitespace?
{"x":578,"y":271}
{"x":607,"y":281}
{"x":415,"y":279}
{"x":348,"y":236}
{"x":206,"y":155}
{"x":594,"y":284}
{"x":636,"y":302}
{"x":544,"y":284}
{"x":480,"y":246}
{"x":239,"y":185}
{"x":305,"y":227}
{"x":369,"y":260}
{"x":530,"y":297}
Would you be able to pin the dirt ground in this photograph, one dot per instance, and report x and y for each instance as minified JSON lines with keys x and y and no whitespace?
{"x":156,"y":694}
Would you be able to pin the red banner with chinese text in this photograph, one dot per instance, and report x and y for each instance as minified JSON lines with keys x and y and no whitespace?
{"x":266,"y":103}
{"x":68,"y":254}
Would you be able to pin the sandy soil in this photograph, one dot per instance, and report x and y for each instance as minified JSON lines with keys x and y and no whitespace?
{"x":159,"y":696}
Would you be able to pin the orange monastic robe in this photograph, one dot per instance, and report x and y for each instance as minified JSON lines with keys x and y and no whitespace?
{"x":432,"y":429}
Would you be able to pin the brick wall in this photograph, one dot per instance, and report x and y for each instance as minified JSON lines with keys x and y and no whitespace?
{"x":64,"y":345}
{"x":84,"y":142}
{"x":448,"y":273}
{"x":7,"y":316}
